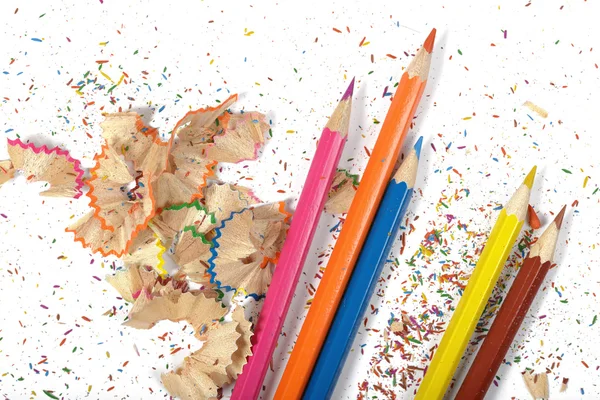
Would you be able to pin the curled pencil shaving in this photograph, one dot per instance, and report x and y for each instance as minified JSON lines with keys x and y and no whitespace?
{"x":206,"y":369}
{"x":205,"y":137}
{"x":189,"y":166}
{"x":119,"y":198}
{"x":122,"y":206}
{"x":191,"y":251}
{"x":536,"y":109}
{"x":198,"y":127}
{"x":193,"y":248}
{"x":223,"y":199}
{"x":172,"y":221}
{"x":341,"y":194}
{"x":129,"y":136}
{"x":246,"y":246}
{"x":189,"y":384}
{"x":146,"y":250}
{"x":183,"y":181}
{"x":88,"y":230}
{"x":7,"y":171}
{"x":55,"y":166}
{"x":216,"y":134}
{"x":241,"y":138}
{"x":537,"y":384}
{"x":244,"y":346}
{"x":129,"y":282}
{"x":175,"y":305}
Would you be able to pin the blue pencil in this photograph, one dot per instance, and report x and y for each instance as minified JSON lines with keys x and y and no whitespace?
{"x":360,"y":288}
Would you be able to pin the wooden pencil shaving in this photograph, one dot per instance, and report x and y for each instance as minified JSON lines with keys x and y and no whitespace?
{"x":207,"y":369}
{"x":223,"y":199}
{"x":246,"y":245}
{"x":7,"y":171}
{"x":536,"y":109}
{"x":120,"y":199}
{"x":244,"y":346}
{"x":241,"y":138}
{"x":190,"y":247}
{"x":89,"y":231}
{"x":204,"y":138}
{"x":146,"y":250}
{"x":122,"y":205}
{"x":189,"y":384}
{"x":215,"y":355}
{"x":127,"y":134}
{"x":55,"y":166}
{"x":537,"y":385}
{"x":173,"y":220}
{"x":174,"y":305}
{"x":271,"y":223}
{"x":200,"y":126}
{"x":129,"y":282}
{"x":197,"y":271}
{"x":343,"y":189}
{"x":184,"y":182}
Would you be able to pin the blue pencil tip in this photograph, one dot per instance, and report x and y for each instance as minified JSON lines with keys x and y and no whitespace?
{"x":418,"y":147}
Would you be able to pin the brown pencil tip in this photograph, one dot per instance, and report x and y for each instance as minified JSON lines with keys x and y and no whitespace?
{"x":428,"y":44}
{"x":559,"y":218}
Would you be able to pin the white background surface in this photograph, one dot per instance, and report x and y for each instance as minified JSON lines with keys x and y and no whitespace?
{"x":547,"y":57}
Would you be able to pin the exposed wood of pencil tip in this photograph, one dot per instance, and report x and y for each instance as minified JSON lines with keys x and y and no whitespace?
{"x":546,"y":244}
{"x":340,"y":118}
{"x":419,"y":66}
{"x":518,"y":203}
{"x":408,"y":170}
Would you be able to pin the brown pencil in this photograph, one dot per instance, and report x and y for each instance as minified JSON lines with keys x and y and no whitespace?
{"x":511,"y":314}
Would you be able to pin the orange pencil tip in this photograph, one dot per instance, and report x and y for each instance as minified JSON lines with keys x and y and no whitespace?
{"x":428,"y":44}
{"x":559,"y":218}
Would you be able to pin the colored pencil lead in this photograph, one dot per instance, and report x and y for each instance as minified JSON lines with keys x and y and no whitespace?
{"x":418,"y":146}
{"x":530,"y":177}
{"x":559,"y":218}
{"x":349,"y":91}
{"x":428,"y":44}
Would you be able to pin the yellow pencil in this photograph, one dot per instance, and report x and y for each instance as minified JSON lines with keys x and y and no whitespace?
{"x":478,"y":290}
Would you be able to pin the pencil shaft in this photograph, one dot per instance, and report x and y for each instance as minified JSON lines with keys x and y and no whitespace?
{"x":359,"y":291}
{"x":349,"y":243}
{"x":291,"y":261}
{"x":469,"y":309}
{"x":504,"y":329}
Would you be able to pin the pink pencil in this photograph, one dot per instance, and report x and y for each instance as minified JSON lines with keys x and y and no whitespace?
{"x":294,"y":252}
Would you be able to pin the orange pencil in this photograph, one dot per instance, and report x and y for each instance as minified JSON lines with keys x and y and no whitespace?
{"x":355,"y":228}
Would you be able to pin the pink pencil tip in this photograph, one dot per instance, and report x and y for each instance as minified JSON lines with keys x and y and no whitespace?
{"x":349,"y":91}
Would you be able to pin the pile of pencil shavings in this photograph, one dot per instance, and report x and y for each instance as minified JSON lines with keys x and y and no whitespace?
{"x":150,"y":198}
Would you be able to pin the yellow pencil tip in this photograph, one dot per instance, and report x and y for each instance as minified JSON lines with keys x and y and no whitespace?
{"x":530,"y":177}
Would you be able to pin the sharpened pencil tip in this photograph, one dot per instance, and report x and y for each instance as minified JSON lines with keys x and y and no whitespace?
{"x":530,"y":177}
{"x":428,"y":44}
{"x":418,"y":147}
{"x":559,"y":218}
{"x":349,"y":91}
